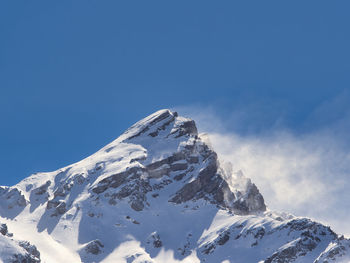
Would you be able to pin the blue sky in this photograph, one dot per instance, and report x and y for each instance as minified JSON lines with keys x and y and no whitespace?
{"x":75,"y":74}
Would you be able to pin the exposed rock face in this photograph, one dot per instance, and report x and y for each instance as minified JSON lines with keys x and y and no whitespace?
{"x":337,"y":251}
{"x":32,"y":255}
{"x":94,"y":247}
{"x":158,"y":188}
{"x":211,"y":185}
{"x":12,"y":197}
{"x":155,"y":240}
{"x":303,"y":238}
{"x":42,"y":189}
{"x":3,"y":229}
{"x":17,"y":251}
{"x":208,"y":183}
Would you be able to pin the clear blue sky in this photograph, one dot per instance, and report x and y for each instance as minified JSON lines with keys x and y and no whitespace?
{"x":75,"y":74}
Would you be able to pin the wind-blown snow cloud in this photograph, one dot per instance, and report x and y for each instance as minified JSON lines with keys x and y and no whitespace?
{"x":300,"y":175}
{"x":306,"y":174}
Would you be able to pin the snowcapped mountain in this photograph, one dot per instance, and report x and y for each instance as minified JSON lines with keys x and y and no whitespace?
{"x":156,"y":194}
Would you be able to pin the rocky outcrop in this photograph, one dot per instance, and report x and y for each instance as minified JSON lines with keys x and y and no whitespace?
{"x":32,"y":255}
{"x":60,"y":207}
{"x":154,"y":240}
{"x":117,"y":180}
{"x":294,"y":249}
{"x":94,"y":247}
{"x":12,"y":197}
{"x":337,"y":251}
{"x":42,"y":189}
{"x":210,"y":185}
{"x":308,"y":235}
{"x":192,"y":155}
{"x":22,"y":251}
{"x":4,"y":230}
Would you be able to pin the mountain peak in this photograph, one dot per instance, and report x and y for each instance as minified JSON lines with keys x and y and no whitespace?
{"x":158,"y":185}
{"x":161,"y":151}
{"x":166,"y":147}
{"x":160,"y":121}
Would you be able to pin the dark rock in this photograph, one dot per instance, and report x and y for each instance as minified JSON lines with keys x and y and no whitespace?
{"x":209,"y":248}
{"x":137,"y":205}
{"x":290,"y":253}
{"x":42,"y":189}
{"x":340,"y":251}
{"x":260,"y":233}
{"x":94,"y":247}
{"x":255,"y":243}
{"x":210,"y":185}
{"x":166,"y":114}
{"x":179,"y":176}
{"x":3,"y":229}
{"x":59,"y":205}
{"x":193,"y":159}
{"x":99,"y":166}
{"x":138,"y":159}
{"x":32,"y":255}
{"x":52,"y":203}
{"x":162,"y":184}
{"x":12,"y":197}
{"x":224,"y":238}
{"x":178,"y":166}
{"x":31,"y":249}
{"x":79,"y":179}
{"x":156,"y":132}
{"x":115,"y":180}
{"x":112,"y":201}
{"x":157,"y":243}
{"x":207,"y":182}
{"x":61,"y":208}
{"x":59,"y":192}
{"x":125,"y":191}
{"x":169,"y":160}
{"x":155,"y":239}
{"x":186,"y":128}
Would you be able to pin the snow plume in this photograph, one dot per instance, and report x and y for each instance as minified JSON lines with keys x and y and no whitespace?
{"x":304,"y":173}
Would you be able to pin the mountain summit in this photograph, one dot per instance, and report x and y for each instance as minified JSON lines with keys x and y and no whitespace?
{"x":158,"y":193}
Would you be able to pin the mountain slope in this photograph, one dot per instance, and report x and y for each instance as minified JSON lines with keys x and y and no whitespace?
{"x":12,"y":250}
{"x":158,"y":194}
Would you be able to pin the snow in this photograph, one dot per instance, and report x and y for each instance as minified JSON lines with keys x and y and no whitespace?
{"x":8,"y":248}
{"x":159,"y":232}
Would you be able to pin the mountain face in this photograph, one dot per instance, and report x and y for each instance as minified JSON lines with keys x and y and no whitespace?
{"x":156,"y":194}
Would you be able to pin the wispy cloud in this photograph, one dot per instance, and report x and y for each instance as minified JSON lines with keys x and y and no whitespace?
{"x":304,"y":173}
